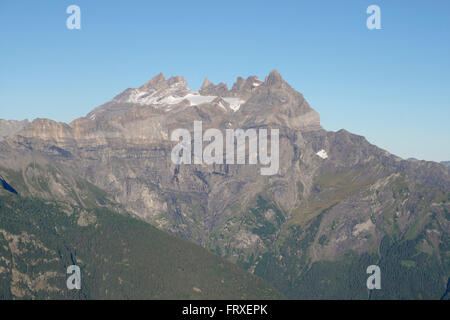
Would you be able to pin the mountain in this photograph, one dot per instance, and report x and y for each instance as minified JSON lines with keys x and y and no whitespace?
{"x":446,"y":163}
{"x":9,"y":128}
{"x":336,"y":205}
{"x":53,"y":219}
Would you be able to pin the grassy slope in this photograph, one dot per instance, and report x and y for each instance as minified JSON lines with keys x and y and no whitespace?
{"x":119,"y":256}
{"x":415,"y":265}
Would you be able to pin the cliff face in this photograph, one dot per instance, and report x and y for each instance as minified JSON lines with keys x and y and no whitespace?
{"x":334,"y":193}
{"x":56,"y":219}
{"x":124,"y":147}
{"x":9,"y":128}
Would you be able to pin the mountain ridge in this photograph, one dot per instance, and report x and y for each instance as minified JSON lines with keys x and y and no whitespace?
{"x":57,"y":219}
{"x":288,"y":228}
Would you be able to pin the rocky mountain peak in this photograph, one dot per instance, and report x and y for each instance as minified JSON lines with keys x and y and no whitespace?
{"x":274,"y":79}
{"x":177,"y":81}
{"x":245,"y":87}
{"x":209,"y":89}
{"x":206,"y":84}
{"x":272,"y":101}
{"x":157,"y":82}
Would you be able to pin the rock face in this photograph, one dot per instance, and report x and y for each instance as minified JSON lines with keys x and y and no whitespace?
{"x":334,"y":195}
{"x":446,"y":163}
{"x":9,"y":128}
{"x":56,"y":222}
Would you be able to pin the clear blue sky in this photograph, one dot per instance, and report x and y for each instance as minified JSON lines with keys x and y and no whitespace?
{"x":390,"y":85}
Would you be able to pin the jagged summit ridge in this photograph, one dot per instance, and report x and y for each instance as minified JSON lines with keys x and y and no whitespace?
{"x":159,"y":91}
{"x":151,"y":111}
{"x":174,"y":94}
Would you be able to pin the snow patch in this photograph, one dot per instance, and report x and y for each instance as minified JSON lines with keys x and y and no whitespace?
{"x":323,"y":154}
{"x":196,"y":99}
{"x":172,"y":97}
{"x":222,"y":106}
{"x":235,"y":103}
